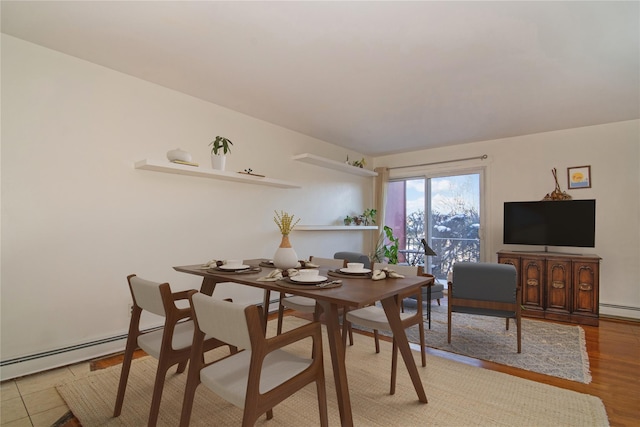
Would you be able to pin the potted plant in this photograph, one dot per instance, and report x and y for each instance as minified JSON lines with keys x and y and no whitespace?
{"x":391,"y":251}
{"x":348,"y":220}
{"x":369,"y":216}
{"x":219,"y":148}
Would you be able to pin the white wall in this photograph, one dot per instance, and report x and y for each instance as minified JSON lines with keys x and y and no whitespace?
{"x":77,"y":218}
{"x":519,"y":169}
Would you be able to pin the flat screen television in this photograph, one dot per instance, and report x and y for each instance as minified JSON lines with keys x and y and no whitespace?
{"x":550,"y":223}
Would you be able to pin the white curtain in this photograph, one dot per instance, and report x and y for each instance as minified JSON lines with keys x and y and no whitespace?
{"x":380,"y":199}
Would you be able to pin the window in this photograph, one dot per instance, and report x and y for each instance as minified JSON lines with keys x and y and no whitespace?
{"x":451,"y":225}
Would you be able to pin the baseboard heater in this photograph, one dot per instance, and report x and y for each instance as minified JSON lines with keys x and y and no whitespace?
{"x":76,"y":347}
{"x":68,"y":349}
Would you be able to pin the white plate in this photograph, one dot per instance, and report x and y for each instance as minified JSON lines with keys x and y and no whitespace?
{"x":237,"y":267}
{"x":348,"y":271}
{"x":315,"y":279}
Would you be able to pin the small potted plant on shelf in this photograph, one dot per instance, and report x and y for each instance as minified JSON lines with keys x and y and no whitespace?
{"x":369,"y":216}
{"x":348,"y":220}
{"x":219,"y":149}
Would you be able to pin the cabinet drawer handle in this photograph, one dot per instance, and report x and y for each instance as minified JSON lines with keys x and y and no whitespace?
{"x":585,"y":286}
{"x":532,"y":282}
{"x":557,"y":284}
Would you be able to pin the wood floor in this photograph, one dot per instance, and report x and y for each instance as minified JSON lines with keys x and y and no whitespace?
{"x":614,"y":357}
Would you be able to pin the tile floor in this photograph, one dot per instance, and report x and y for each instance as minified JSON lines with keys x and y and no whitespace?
{"x":33,"y":401}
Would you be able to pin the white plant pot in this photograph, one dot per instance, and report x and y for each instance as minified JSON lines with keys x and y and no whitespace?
{"x":218,"y":161}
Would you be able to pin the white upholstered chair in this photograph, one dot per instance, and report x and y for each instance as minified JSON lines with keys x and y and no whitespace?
{"x":260,"y":376}
{"x":374,"y":317}
{"x":170,"y":345}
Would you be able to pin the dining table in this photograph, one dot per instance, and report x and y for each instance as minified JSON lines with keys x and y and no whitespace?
{"x":353,"y":291}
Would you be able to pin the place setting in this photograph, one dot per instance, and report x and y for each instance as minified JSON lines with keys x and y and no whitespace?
{"x":309,"y":278}
{"x":352,"y":270}
{"x":302,"y":264}
{"x":231,"y":266}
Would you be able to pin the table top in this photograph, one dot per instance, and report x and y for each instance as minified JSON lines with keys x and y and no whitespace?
{"x":354,"y":292}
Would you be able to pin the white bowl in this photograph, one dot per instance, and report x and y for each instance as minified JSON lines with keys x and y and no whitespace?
{"x":233,"y":263}
{"x":308,"y":273}
{"x":355,"y":266}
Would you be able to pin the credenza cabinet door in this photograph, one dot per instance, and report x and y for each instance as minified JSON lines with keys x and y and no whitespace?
{"x":533,"y":280}
{"x":558,"y":286}
{"x":586,"y":289}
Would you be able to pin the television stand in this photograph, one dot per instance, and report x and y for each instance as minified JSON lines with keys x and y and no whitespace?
{"x":557,"y":286}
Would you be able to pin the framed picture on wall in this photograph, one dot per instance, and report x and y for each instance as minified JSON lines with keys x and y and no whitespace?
{"x":579,"y":177}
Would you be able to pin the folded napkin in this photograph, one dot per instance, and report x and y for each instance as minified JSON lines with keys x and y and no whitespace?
{"x":214,"y":263}
{"x":278,"y":274}
{"x":307,"y":264}
{"x":384,"y":273}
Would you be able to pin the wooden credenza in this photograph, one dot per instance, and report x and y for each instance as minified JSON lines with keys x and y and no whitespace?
{"x":557,"y":286}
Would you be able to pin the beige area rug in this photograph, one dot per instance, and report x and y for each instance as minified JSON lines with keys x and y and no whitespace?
{"x":459,"y":395}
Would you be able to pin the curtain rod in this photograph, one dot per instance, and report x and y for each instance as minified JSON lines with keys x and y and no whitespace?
{"x":483,"y":157}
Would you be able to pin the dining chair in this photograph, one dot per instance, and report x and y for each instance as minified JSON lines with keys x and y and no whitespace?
{"x":486,"y":289}
{"x":170,"y":344}
{"x":374,"y":317}
{"x":260,"y":376}
{"x":305,"y":304}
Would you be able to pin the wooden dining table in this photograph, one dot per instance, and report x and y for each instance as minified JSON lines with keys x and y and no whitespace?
{"x":353,"y":292}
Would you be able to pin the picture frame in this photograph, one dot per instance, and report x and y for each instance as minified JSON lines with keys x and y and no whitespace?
{"x":579,"y":177}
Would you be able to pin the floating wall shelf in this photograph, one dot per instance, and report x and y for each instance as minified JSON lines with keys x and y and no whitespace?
{"x":168,"y":167}
{"x":332,"y":164}
{"x":334,"y":227}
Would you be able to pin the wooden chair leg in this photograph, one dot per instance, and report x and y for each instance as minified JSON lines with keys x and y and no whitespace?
{"x":394,"y":367}
{"x":507,"y":326}
{"x":124,"y":375}
{"x":376,"y":339}
{"x":519,"y":333}
{"x":449,"y":323}
{"x":280,"y":313}
{"x":182,"y":366}
{"x":158,"y":386}
{"x":423,"y":351}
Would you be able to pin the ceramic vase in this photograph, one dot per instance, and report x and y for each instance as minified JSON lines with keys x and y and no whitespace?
{"x":285,"y":257}
{"x":218,"y":161}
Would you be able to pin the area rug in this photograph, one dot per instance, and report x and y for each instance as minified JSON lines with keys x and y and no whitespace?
{"x":458,"y":395}
{"x":548,"y":348}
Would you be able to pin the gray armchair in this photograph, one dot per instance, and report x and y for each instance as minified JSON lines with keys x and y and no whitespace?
{"x":485,"y":289}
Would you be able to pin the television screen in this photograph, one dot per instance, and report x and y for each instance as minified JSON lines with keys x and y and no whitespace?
{"x":550,"y":223}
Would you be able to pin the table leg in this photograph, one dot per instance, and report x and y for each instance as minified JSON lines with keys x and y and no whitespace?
{"x":337,"y":350}
{"x":208,"y":285}
{"x":393,"y":316}
{"x":429,"y":305}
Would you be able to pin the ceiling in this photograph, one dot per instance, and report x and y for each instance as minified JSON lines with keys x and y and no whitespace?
{"x":373,"y":77}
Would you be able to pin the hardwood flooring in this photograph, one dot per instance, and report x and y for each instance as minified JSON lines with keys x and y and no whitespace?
{"x":614,"y":357}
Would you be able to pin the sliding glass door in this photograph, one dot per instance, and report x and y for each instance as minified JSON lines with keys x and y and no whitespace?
{"x":445,"y":211}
